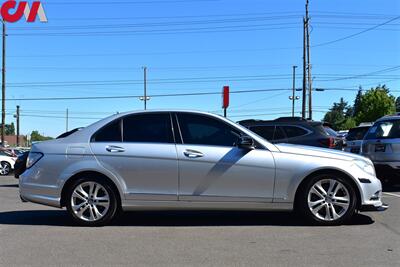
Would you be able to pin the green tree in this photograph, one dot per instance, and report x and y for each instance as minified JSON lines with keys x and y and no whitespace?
{"x":398,"y":104}
{"x":339,"y":115}
{"x":9,"y":129}
{"x":357,"y":102}
{"x":348,"y":123}
{"x":36,"y":137}
{"x":375,"y":103}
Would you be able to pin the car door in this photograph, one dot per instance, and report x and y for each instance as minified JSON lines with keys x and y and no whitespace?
{"x":212,"y":168}
{"x":140,"y":150}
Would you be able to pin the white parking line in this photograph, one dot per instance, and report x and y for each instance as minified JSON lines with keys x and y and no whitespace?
{"x":391,"y":194}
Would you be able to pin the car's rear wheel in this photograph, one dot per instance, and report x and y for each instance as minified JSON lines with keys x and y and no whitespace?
{"x":5,"y":168}
{"x":92,"y":202}
{"x":328,"y":199}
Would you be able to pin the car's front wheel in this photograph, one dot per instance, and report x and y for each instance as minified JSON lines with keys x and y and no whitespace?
{"x":328,"y":199}
{"x":5,"y":168}
{"x":92,"y":202}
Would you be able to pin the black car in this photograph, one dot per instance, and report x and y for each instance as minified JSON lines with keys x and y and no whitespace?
{"x":20,"y":164}
{"x":294,"y":130}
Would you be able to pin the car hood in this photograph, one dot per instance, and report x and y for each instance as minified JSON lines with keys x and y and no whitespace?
{"x":318,"y":152}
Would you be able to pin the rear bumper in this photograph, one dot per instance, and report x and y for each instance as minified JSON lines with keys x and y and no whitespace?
{"x":33,"y":191}
{"x":382,"y":207}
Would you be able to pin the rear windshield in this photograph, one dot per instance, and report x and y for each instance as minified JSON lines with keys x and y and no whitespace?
{"x":69,"y":133}
{"x":330,"y":131}
{"x":357,"y":133}
{"x":384,"y":130}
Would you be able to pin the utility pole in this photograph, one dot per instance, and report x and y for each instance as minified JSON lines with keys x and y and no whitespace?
{"x":303,"y":107}
{"x":17,"y":125}
{"x":306,"y":66}
{"x":294,"y":89}
{"x":145,"y":87}
{"x":3,"y":86}
{"x":66,"y":121}
{"x":309,"y":66}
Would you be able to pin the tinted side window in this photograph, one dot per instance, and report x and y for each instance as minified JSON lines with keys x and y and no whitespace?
{"x":357,"y":133}
{"x":267,"y":132}
{"x":279,"y":134}
{"x":148,"y":128}
{"x":293,"y":131}
{"x":109,"y":133}
{"x":203,"y":130}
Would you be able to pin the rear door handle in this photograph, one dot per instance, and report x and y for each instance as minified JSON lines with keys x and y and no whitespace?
{"x":115,"y":149}
{"x":193,"y":154}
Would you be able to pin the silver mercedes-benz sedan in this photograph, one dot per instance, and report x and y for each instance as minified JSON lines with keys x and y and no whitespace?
{"x":165,"y":160}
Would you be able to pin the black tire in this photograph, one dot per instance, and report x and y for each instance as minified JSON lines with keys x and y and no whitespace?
{"x":110,"y":214}
{"x":7,"y":171}
{"x":303,"y":209}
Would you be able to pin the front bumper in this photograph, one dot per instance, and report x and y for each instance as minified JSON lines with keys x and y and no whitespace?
{"x":382,"y":207}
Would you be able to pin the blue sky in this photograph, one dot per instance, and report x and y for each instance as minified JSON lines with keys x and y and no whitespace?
{"x":98,"y":48}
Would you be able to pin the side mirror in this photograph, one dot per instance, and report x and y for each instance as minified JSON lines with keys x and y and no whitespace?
{"x":245,"y":142}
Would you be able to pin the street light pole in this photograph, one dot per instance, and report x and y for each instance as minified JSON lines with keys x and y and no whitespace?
{"x":294,"y":89}
{"x":17,"y":126}
{"x":145,"y":87}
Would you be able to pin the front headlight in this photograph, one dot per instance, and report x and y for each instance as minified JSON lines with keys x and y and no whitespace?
{"x":366,"y":166}
{"x":33,"y":157}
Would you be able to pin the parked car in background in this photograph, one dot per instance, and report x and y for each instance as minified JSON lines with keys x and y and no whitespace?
{"x":355,"y":138}
{"x":20,"y":164}
{"x":294,"y":130}
{"x":343,"y":133}
{"x":193,"y":160}
{"x":382,"y":145}
{"x":339,"y":139}
{"x":6,"y":163}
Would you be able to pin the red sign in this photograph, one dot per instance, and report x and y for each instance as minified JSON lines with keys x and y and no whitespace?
{"x":225,"y":97}
{"x":12,"y":11}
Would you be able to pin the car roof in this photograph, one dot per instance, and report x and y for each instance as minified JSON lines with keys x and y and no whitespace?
{"x":389,"y":117}
{"x":280,"y":122}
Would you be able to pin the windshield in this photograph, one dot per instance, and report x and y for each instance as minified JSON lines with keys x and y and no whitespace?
{"x":357,"y":133}
{"x":330,"y":131}
{"x":384,"y":130}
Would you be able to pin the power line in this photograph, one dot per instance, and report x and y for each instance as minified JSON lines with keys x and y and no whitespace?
{"x":385,"y":70}
{"x":171,"y":95}
{"x":372,"y":75}
{"x":153,"y":53}
{"x":156,"y":24}
{"x":128,"y":2}
{"x":138,"y":96}
{"x":356,"y":34}
{"x":320,"y":14}
{"x":238,"y":28}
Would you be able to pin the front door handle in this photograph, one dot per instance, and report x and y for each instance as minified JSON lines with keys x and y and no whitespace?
{"x":193,"y":154}
{"x":115,"y":149}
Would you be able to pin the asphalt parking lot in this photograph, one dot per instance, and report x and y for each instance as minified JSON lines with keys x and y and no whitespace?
{"x":40,"y":236}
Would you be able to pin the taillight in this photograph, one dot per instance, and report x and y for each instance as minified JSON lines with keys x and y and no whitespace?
{"x":328,"y":142}
{"x":331,"y":142}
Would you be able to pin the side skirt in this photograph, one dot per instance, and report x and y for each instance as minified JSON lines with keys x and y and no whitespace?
{"x":190,"y":205}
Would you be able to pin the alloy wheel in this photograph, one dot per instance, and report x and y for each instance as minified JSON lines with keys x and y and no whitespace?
{"x":328,"y":199}
{"x":90,"y":201}
{"x":4,"y":168}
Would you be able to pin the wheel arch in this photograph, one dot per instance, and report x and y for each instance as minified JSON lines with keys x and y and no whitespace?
{"x":8,"y":161}
{"x":344,"y":174}
{"x":68,"y":183}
